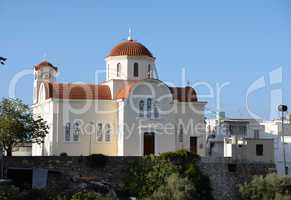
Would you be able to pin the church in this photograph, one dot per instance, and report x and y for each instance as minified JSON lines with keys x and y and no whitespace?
{"x":131,"y":113}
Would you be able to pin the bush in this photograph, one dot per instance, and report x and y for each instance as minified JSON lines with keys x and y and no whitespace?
{"x":176,"y":188}
{"x":39,"y":194}
{"x":271,"y":187}
{"x":97,"y":160}
{"x":64,"y":154}
{"x":151,"y":175}
{"x":8,"y":192}
{"x":84,"y":196}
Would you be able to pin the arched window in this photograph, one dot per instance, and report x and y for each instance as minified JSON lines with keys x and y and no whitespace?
{"x":135,"y":69}
{"x":181,"y":133}
{"x":68,"y":132}
{"x":107,"y":72}
{"x":99,"y":134}
{"x":149,"y":72}
{"x":77,"y":131}
{"x":149,"y":107}
{"x":118,"y":69}
{"x":156,"y":111}
{"x":107,"y":133}
{"x":141,"y":108}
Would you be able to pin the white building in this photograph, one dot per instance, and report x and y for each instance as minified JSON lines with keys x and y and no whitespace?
{"x":239,"y":139}
{"x":274,"y":128}
{"x":132,"y":113}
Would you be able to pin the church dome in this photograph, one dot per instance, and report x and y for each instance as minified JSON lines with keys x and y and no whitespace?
{"x":130,"y":48}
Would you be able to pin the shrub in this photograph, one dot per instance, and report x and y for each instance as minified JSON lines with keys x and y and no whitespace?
{"x":97,"y":160}
{"x":39,"y":194}
{"x":148,"y":175}
{"x":84,"y":196}
{"x":271,"y":187}
{"x":176,"y":188}
{"x":63,"y":154}
{"x":8,"y":192}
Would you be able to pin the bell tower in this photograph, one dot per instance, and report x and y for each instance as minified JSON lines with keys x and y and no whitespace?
{"x":43,"y":71}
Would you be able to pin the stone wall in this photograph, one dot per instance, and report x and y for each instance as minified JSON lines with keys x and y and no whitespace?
{"x":226,"y":175}
{"x":68,"y":174}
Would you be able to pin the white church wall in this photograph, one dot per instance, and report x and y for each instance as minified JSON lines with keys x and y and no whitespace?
{"x":120,"y":133}
{"x":191,"y":116}
{"x":43,"y":109}
{"x":171,"y":113}
{"x":89,"y":113}
{"x":135,"y":125}
{"x":126,"y":70}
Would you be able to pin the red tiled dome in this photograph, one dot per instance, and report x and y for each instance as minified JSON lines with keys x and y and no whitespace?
{"x":130,"y":48}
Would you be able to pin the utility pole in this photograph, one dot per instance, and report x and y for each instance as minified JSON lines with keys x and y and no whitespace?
{"x":282,"y":109}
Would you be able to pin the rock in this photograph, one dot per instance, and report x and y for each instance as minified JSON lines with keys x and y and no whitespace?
{"x":75,"y":178}
{"x":82,"y":186}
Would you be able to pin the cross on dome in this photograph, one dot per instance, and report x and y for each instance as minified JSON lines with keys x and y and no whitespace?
{"x":129,"y":34}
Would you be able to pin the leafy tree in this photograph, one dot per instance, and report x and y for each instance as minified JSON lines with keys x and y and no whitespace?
{"x":176,"y":188}
{"x":270,"y":187}
{"x":161,"y":176}
{"x":18,"y":125}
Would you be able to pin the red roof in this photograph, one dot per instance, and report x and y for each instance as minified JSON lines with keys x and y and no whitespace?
{"x":77,"y":91}
{"x":45,"y":64}
{"x":124,"y":92}
{"x":187,"y":94}
{"x":130,"y":48}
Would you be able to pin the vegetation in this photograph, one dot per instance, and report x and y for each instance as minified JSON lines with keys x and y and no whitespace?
{"x":18,"y":125}
{"x":64,"y":154}
{"x":10,"y":192}
{"x":171,"y":176}
{"x":270,"y":187}
{"x":84,"y":196}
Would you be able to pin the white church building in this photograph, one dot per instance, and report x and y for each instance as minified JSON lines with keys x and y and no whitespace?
{"x":131,"y":113}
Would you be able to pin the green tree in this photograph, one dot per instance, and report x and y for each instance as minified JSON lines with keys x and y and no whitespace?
{"x":18,"y":125}
{"x":176,"y":188}
{"x":171,"y":175}
{"x":270,"y":187}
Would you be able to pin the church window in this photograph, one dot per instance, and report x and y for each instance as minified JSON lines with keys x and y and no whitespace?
{"x":77,"y":131}
{"x":181,"y":133}
{"x":99,"y":132}
{"x":141,"y":108}
{"x":135,"y":70}
{"x":108,"y":71}
{"x":149,"y":107}
{"x":68,"y":132}
{"x":118,"y":70}
{"x":107,"y":133}
{"x":149,"y":71}
{"x":156,"y":111}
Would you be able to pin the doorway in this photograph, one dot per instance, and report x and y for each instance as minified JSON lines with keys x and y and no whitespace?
{"x":193,"y":145}
{"x":149,"y":143}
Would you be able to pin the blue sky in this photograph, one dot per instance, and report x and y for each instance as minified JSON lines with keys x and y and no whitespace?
{"x":216,"y":41}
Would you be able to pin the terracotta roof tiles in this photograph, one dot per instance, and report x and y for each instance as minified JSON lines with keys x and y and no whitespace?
{"x":130,"y":48}
{"x":77,"y":91}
